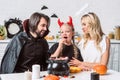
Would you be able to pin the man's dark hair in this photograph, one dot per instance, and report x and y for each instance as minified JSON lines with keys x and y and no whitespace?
{"x":32,"y":23}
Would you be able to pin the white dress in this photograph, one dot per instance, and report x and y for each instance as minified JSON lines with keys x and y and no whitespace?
{"x":90,"y":53}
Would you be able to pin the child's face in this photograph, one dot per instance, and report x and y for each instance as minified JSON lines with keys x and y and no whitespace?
{"x":66,"y":33}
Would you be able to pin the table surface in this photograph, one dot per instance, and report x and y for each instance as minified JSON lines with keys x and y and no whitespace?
{"x":85,"y":75}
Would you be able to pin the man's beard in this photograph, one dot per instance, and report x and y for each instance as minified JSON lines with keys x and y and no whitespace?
{"x":39,"y":35}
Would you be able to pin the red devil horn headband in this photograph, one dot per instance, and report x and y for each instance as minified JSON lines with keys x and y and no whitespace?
{"x":69,"y":22}
{"x":60,"y":23}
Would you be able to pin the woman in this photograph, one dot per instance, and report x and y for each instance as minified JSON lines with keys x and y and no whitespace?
{"x":66,"y":46}
{"x":94,"y":45}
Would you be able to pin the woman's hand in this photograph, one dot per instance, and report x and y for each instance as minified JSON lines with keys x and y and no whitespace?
{"x":84,"y":68}
{"x":75,"y":62}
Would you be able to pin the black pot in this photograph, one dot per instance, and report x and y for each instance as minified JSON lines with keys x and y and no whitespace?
{"x":58,"y":67}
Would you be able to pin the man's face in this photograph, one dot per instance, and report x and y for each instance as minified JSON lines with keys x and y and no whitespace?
{"x":42,"y":27}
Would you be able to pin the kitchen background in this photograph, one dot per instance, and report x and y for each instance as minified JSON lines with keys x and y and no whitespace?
{"x":107,"y":10}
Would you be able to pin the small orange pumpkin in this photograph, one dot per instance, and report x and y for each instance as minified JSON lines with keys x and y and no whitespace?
{"x":100,"y":69}
{"x":51,"y":77}
{"x":74,"y":69}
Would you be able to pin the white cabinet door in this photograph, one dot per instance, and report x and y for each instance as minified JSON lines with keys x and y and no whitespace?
{"x":114,"y":59}
{"x":2,"y":49}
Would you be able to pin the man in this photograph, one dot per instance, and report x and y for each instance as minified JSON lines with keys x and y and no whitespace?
{"x":28,"y":47}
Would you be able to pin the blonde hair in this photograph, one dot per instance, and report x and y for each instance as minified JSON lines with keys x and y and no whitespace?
{"x":94,"y":28}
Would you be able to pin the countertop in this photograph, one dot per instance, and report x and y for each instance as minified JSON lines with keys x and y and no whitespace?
{"x":52,"y":41}
{"x":114,"y":41}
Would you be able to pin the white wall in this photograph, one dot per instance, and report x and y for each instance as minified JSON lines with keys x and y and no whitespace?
{"x":107,"y":10}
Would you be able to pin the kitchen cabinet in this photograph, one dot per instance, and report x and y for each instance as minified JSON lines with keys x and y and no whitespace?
{"x":114,"y":59}
{"x":3,"y":44}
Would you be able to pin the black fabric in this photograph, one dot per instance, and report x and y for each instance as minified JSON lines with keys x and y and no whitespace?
{"x":35,"y":52}
{"x":68,"y":51}
{"x":32,"y":52}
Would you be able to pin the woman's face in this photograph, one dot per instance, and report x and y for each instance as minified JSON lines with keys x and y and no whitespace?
{"x":66,"y":33}
{"x":84,"y":27}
